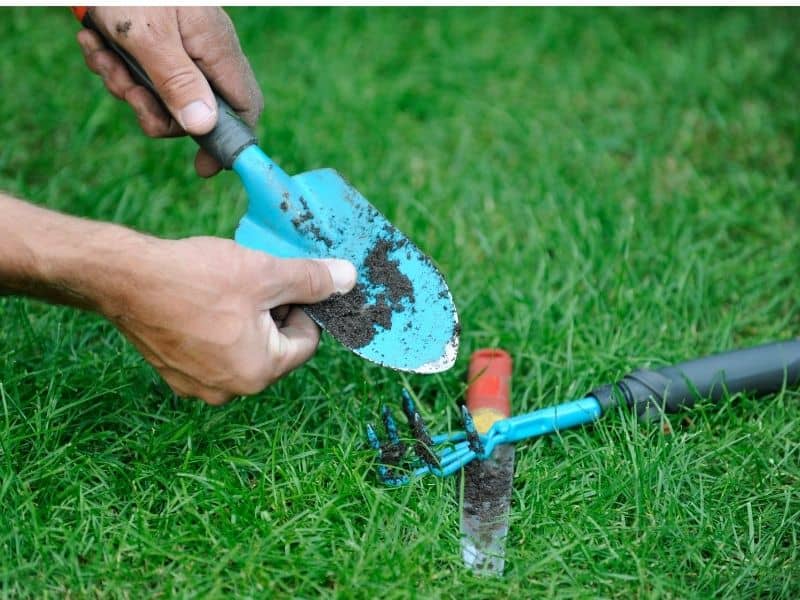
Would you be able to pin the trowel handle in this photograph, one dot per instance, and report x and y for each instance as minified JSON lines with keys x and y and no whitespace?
{"x":760,"y":370}
{"x":229,"y":137}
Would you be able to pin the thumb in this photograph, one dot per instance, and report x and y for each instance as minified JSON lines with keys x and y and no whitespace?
{"x":179,"y":83}
{"x":304,"y":281}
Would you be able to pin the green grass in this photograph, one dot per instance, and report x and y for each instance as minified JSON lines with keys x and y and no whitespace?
{"x":604,"y":189}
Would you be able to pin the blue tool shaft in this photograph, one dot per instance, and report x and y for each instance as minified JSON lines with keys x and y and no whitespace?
{"x":547,"y":420}
{"x":259,"y":171}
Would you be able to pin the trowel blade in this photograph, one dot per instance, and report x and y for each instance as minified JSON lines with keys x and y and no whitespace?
{"x":401,"y":313}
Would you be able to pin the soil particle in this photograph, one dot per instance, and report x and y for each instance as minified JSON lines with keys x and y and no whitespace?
{"x":302,"y":218}
{"x":284,"y":206}
{"x":317,"y":232}
{"x":123,"y":27}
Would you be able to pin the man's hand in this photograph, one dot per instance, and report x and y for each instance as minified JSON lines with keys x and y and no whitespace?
{"x":214,"y":318}
{"x":182,"y":50}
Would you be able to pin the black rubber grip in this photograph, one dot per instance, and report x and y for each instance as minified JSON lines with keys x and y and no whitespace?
{"x":759,"y":371}
{"x":229,"y":137}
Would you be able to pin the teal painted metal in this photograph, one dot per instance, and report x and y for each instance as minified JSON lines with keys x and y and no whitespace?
{"x":318,"y":214}
{"x":514,"y":429}
{"x":462,"y":450}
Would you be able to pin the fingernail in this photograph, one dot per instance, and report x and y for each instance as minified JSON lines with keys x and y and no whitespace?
{"x":195,"y":114}
{"x":343,"y":274}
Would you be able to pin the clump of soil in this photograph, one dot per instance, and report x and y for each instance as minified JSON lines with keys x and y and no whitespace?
{"x":422,"y":448}
{"x":356,"y":317}
{"x":487,"y":481}
{"x":350,"y":318}
{"x":384,"y":271}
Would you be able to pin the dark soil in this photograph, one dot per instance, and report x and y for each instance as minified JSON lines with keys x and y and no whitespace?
{"x":422,"y":448}
{"x":356,"y":317}
{"x":317,"y":232}
{"x":392,"y":454}
{"x":487,"y":490}
{"x":123,"y":27}
{"x":302,"y":218}
{"x":424,"y":443}
{"x":350,"y":318}
{"x":386,"y":272}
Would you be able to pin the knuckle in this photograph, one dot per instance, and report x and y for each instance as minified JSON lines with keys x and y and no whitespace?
{"x":257,"y":107}
{"x":263,"y":261}
{"x":313,"y":284}
{"x":178,"y":81}
{"x":151,"y":127}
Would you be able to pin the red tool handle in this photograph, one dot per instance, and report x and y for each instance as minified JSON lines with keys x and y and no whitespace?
{"x":489,"y":387}
{"x":79,"y":12}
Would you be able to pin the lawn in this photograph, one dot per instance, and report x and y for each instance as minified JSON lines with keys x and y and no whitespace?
{"x":603,"y":189}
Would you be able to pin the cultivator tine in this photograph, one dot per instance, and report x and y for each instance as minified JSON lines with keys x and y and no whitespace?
{"x":373,"y":439}
{"x":390,"y":425}
{"x":424,"y":444}
{"x":439,"y":455}
{"x":473,"y":439}
{"x":390,"y":453}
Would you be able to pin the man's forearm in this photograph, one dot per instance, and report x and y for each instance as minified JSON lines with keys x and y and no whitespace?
{"x":59,"y":258}
{"x":199,"y":309}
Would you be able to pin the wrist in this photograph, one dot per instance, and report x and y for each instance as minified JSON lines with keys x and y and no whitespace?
{"x":96,"y":270}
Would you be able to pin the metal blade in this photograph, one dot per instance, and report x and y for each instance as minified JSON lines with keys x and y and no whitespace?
{"x":484,"y":517}
{"x":401,"y":313}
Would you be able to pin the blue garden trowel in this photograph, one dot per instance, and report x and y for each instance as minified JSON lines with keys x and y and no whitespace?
{"x":400,"y":313}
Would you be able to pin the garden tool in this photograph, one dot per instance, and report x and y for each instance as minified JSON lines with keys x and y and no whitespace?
{"x":487,"y":483}
{"x":400,"y":314}
{"x":756,"y":371}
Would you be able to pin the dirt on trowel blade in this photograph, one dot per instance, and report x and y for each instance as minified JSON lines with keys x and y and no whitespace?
{"x":351,"y":317}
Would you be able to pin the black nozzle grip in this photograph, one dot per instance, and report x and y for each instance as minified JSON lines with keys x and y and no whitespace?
{"x":230,"y":135}
{"x":759,"y":371}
